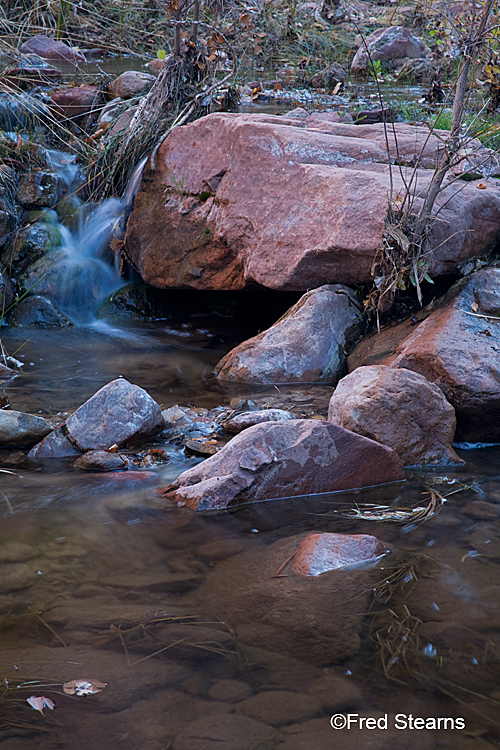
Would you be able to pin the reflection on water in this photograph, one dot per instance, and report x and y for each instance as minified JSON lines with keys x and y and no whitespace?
{"x":100,"y":579}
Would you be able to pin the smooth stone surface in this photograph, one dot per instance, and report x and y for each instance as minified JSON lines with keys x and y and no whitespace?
{"x":285,"y":459}
{"x":130,"y":83}
{"x":50,"y":49}
{"x":305,"y":345}
{"x":458,"y":349}
{"x":280,"y":707}
{"x":248,"y":418}
{"x":221,"y":732}
{"x":320,"y":553}
{"x":18,"y":428}
{"x":232,"y":691}
{"x":100,"y":461}
{"x":243,"y":199}
{"x":398,"y":408}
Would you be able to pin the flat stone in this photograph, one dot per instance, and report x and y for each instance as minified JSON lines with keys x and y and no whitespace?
{"x":280,"y":707}
{"x":240,"y":422}
{"x":221,"y":732}
{"x":16,"y":576}
{"x":17,"y":552}
{"x":319,"y":553}
{"x":100,"y":461}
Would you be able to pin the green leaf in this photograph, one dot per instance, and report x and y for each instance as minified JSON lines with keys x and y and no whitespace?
{"x":428,"y":278}
{"x":161,"y":54}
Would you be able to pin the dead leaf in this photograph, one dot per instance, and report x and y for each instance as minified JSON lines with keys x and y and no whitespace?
{"x":116,"y":244}
{"x":39,"y":702}
{"x":475,"y":306}
{"x":257,"y":49}
{"x":83,"y":687}
{"x":482,"y":186}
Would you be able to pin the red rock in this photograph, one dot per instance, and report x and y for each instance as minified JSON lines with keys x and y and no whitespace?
{"x":239,"y":200}
{"x":392,"y":46}
{"x":74,"y":101}
{"x":398,"y":408}
{"x":285,"y":459}
{"x":459,"y":351}
{"x":315,"y":618}
{"x":305,"y":345}
{"x":51,"y":49}
{"x":319,"y":553}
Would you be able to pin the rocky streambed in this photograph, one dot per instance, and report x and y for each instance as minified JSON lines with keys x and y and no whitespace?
{"x":221,"y":498}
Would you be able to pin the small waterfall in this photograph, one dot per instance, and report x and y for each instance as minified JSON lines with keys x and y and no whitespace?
{"x":83,"y":272}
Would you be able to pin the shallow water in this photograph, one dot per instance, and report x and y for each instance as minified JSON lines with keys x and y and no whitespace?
{"x":99,"y":574}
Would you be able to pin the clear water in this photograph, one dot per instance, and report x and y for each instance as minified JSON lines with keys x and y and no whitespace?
{"x":113,"y":575}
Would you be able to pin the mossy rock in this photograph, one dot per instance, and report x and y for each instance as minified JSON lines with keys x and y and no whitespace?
{"x":132,"y":302}
{"x":29,"y":245}
{"x":36,"y":311}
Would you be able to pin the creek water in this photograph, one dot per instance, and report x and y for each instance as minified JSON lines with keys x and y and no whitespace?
{"x":101,"y":578}
{"x":99,"y":574}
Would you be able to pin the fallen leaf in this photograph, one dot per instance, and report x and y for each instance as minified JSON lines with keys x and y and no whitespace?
{"x":39,"y":702}
{"x":475,"y":306}
{"x":481,"y":186}
{"x":83,"y":687}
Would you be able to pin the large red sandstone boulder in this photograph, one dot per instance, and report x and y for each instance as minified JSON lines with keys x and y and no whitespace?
{"x":285,"y":459}
{"x":458,"y":348}
{"x":239,"y":200}
{"x":392,"y":46}
{"x":305,"y":345}
{"x":311,"y":609}
{"x":118,"y":413}
{"x":50,"y":49}
{"x":398,"y":408}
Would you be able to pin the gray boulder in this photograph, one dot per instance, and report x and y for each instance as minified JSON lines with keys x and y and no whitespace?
{"x":18,"y":428}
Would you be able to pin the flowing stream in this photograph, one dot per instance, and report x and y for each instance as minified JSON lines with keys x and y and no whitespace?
{"x":101,"y":579}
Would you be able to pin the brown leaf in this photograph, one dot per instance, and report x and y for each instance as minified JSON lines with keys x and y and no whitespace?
{"x":482,"y":186}
{"x":257,"y":49}
{"x":475,"y":307}
{"x":116,"y":244}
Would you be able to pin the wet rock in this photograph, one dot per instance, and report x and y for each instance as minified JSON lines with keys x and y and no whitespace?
{"x":222,"y":731}
{"x":29,"y":246}
{"x":18,"y":428}
{"x":269,"y":603}
{"x":244,"y":199}
{"x":55,"y":445}
{"x":248,"y":418}
{"x":36,"y":311}
{"x":118,"y":413}
{"x":17,"y":552}
{"x":39,"y":189}
{"x":6,"y":291}
{"x":398,"y":408}
{"x":74,"y":101}
{"x":306,"y":344}
{"x":285,"y":459}
{"x":459,"y":351}
{"x":30,"y":72}
{"x":7,"y":225}
{"x":336,"y":692}
{"x":100,"y":461}
{"x":181,"y":421}
{"x":392,"y":46}
{"x":319,"y":553}
{"x":68,"y":212}
{"x":279,"y":707}
{"x":132,"y":302}
{"x":413,"y":70}
{"x":50,"y":49}
{"x":16,"y":576}
{"x":231,"y":691}
{"x":200,"y":447}
{"x":45,"y":216}
{"x":130,"y":83}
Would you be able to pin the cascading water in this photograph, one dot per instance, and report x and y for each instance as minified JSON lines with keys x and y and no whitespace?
{"x":81,"y":274}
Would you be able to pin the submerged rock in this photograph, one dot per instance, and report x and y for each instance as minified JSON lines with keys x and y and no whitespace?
{"x":243,"y":199}
{"x":398,"y":408}
{"x":285,"y":459}
{"x":316,"y":617}
{"x":74,"y":101}
{"x":36,"y":311}
{"x":100,"y":461}
{"x":246,"y":419}
{"x":305,"y":345}
{"x":458,"y":348}
{"x":18,"y":428}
